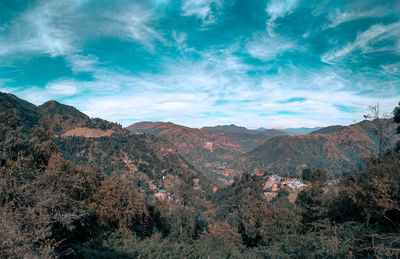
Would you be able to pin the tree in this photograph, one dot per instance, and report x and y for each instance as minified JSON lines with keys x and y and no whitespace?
{"x":382,"y":128}
{"x":396,"y":117}
{"x":315,"y":177}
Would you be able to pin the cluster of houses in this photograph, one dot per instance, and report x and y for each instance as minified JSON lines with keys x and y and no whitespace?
{"x":160,"y":193}
{"x":272,"y":185}
{"x":275,"y":182}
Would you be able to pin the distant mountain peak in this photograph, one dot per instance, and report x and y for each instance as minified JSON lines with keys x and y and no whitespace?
{"x":293,"y":131}
{"x":228,"y":128}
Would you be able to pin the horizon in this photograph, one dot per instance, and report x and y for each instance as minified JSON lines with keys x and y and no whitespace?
{"x":272,"y":64}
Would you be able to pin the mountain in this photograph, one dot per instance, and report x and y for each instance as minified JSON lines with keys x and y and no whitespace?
{"x":300,"y":131}
{"x":68,"y":121}
{"x":292,"y":131}
{"x":59,"y":118}
{"x":202,"y":149}
{"x":336,"y":149}
{"x":229,"y":128}
{"x":208,"y":148}
{"x":327,"y":130}
{"x":23,"y":112}
{"x":247,"y":139}
{"x":103,"y":145}
{"x":144,"y":160}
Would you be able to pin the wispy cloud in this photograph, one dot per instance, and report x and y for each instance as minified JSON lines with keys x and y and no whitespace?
{"x":364,"y":40}
{"x":202,"y":9}
{"x":393,"y":69}
{"x":40,"y":30}
{"x":60,"y":28}
{"x":59,"y":90}
{"x":82,"y":63}
{"x":354,"y":12}
{"x":132,"y":22}
{"x":277,"y":9}
{"x":264,"y":47}
{"x":206,"y":62}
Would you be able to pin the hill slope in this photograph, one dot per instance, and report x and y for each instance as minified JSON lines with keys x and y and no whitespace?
{"x":208,"y":148}
{"x":23,"y":112}
{"x":336,"y":149}
{"x":247,"y":139}
{"x":103,"y":145}
{"x":144,"y":160}
{"x":204,"y":150}
{"x":67,"y":120}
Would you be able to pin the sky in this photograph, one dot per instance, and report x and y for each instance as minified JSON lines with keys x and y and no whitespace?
{"x":254,"y":63}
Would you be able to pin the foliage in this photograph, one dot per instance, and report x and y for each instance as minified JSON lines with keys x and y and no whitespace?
{"x":315,"y":177}
{"x":54,"y":207}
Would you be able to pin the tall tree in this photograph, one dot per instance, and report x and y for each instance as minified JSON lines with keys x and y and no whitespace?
{"x":382,"y":128}
{"x":396,"y":117}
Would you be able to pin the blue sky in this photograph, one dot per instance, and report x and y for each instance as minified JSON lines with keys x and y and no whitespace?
{"x":255,"y":63}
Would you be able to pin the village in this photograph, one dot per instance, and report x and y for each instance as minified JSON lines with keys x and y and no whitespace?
{"x":273,"y":183}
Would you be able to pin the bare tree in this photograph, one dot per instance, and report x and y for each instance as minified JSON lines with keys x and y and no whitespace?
{"x":383,"y":129}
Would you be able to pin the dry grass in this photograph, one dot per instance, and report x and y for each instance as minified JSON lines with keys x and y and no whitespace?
{"x":88,"y":133}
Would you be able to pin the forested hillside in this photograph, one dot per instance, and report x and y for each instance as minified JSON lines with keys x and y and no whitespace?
{"x":208,"y":149}
{"x":142,"y":159}
{"x":67,"y":120}
{"x":103,"y":197}
{"x":336,"y":149}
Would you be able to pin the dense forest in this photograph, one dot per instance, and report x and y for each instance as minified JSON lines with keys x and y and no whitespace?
{"x":55,"y":206}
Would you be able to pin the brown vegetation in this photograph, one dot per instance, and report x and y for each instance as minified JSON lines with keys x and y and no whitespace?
{"x":52,"y":208}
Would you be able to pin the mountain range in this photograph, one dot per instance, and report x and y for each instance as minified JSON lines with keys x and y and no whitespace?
{"x":145,"y":151}
{"x":292,"y":131}
{"x":106,"y":146}
{"x":229,"y":150}
{"x":336,"y":149}
{"x":209,"y":149}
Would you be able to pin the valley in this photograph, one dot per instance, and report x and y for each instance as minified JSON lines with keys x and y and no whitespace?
{"x":88,"y":180}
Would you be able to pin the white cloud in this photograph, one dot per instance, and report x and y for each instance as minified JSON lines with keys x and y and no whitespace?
{"x":202,"y":9}
{"x":82,"y":63}
{"x":364,"y":40}
{"x":45,"y":29}
{"x":180,"y":39}
{"x":62,"y":88}
{"x":134,"y":23}
{"x":277,"y":9}
{"x":54,"y":90}
{"x":393,"y":69}
{"x":145,"y":106}
{"x":357,"y":9}
{"x":320,"y":106}
{"x":266,"y":48}
{"x":60,"y":28}
{"x":187,"y":95}
{"x":186,"y":91}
